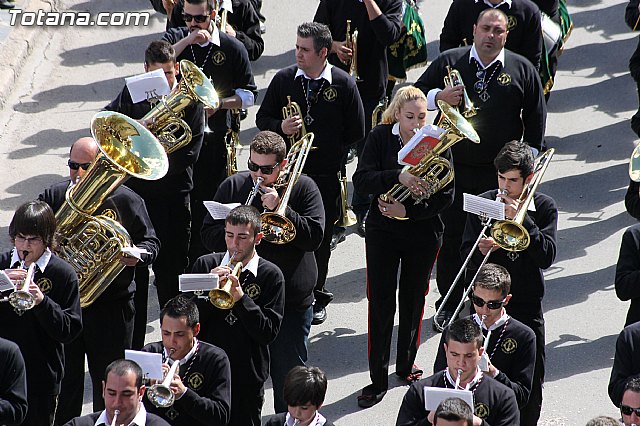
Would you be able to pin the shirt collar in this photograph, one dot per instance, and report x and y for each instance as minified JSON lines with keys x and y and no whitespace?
{"x":186,"y":358}
{"x":318,"y":420}
{"x":471,"y":384}
{"x":42,"y":261}
{"x":395,"y":130}
{"x":215,"y":37}
{"x":139,"y":420}
{"x":474,"y":54}
{"x":251,"y":266}
{"x":326,"y":73}
{"x":499,"y":323}
{"x":495,"y":6}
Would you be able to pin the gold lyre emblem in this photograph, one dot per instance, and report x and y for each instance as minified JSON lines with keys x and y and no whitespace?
{"x":504,"y":79}
{"x":195,"y":380}
{"x":330,"y":94}
{"x":481,"y":410}
{"x":218,"y":58}
{"x":512,"y":22}
{"x":509,"y":345}
{"x":253,"y":291}
{"x":45,"y":285}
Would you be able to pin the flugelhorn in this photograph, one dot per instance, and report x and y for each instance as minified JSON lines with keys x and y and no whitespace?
{"x":277,"y":228}
{"x":255,"y":191}
{"x":160,"y":394}
{"x":115,"y":417}
{"x":454,"y":79}
{"x":351,"y":42}
{"x":21,"y":299}
{"x":221,"y":297}
{"x":292,"y":109}
{"x":459,"y":371}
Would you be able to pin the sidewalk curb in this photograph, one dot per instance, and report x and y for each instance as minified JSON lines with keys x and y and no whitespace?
{"x":17,"y":47}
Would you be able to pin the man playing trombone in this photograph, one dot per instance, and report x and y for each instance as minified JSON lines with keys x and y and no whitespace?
{"x":515,"y":169}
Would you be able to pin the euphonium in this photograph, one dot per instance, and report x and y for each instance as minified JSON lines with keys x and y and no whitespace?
{"x":509,"y":234}
{"x":291,"y":110}
{"x":93,"y":244}
{"x":453,"y":79}
{"x":164,"y":120}
{"x":277,"y":228}
{"x":221,"y":297}
{"x":352,"y":43}
{"x":347,"y":216}
{"x":20,"y":299}
{"x":433,"y":168}
{"x":160,"y":394}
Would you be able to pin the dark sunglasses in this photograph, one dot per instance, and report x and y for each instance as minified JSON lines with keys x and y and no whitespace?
{"x":627,"y":411}
{"x":75,"y":166}
{"x":266,"y":170}
{"x":492,"y":304}
{"x":198,"y":18}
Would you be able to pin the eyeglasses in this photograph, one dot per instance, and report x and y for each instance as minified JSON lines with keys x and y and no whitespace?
{"x":266,"y":170}
{"x":627,"y":411}
{"x":75,"y":166}
{"x":492,"y":304}
{"x":198,"y":18}
{"x":29,"y":240}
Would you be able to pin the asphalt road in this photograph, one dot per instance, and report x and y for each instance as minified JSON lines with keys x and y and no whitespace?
{"x":76,"y":71}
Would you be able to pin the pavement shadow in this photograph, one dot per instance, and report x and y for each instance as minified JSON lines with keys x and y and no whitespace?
{"x":585,"y":355}
{"x":119,"y":53}
{"x":571,"y":290}
{"x":349,"y":287}
{"x":268,"y":63}
{"x":606,"y":22}
{"x":47,"y":140}
{"x":24,"y":190}
{"x":615,"y":95}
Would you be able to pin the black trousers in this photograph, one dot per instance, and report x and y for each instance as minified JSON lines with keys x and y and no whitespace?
{"x":246,"y":405}
{"x":107,"y":331}
{"x":360,"y":202}
{"x":208,"y":172}
{"x":140,"y":301}
{"x":41,"y":409}
{"x":634,"y":68}
{"x":386,"y":253}
{"x":472,"y":180}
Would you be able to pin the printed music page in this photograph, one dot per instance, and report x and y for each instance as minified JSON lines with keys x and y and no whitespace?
{"x":419,"y":145}
{"x":218,"y":210}
{"x":480,"y":206}
{"x":434,"y":396}
{"x":150,"y":363}
{"x":5,"y":282}
{"x":197,"y":282}
{"x":149,"y":85}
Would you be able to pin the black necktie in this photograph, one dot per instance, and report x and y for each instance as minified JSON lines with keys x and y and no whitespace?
{"x":314,"y":87}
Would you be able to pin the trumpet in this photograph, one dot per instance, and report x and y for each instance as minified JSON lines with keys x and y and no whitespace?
{"x":115,"y":417}
{"x":161,"y":395}
{"x":351,"y":42}
{"x":20,"y":299}
{"x":453,"y":79}
{"x":232,"y":143}
{"x":292,"y":109}
{"x":459,"y":371}
{"x":255,"y":191}
{"x":221,"y":297}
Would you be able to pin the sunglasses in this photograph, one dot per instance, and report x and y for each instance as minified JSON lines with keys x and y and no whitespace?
{"x":627,"y":411}
{"x":75,"y":166}
{"x":492,"y":304}
{"x":266,"y":170}
{"x":198,"y":18}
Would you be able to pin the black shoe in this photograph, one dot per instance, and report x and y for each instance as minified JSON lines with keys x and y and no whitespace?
{"x":361,"y":229}
{"x":4,"y":4}
{"x":243,"y":113}
{"x":442,"y":319}
{"x":263,"y":28}
{"x":338,"y":237}
{"x":370,"y":397}
{"x":319,"y":316}
{"x":351,"y":155}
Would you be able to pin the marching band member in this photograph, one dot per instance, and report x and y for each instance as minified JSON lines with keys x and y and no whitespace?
{"x":507,"y":90}
{"x":55,"y":318}
{"x":511,"y":347}
{"x":166,"y":199}
{"x":332,"y":110}
{"x":628,"y":272}
{"x":453,"y":412}
{"x":122,"y":390}
{"x":108,"y":322}
{"x":514,"y":165}
{"x":626,"y":362}
{"x":630,"y":405}
{"x":631,"y":17}
{"x":13,"y":384}
{"x":632,"y":199}
{"x":245,"y":331}
{"x":389,"y":243}
{"x":495,"y":404}
{"x":224,"y":60}
{"x":295,"y":259}
{"x":202,"y":385}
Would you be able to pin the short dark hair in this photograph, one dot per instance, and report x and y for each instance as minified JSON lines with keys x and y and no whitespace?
{"x":464,"y":330}
{"x":603,"y":421}
{"x":515,"y":155}
{"x":493,"y":11}
{"x":243,"y":215}
{"x":494,"y":277}
{"x":267,"y":142}
{"x":34,"y":218}
{"x":633,"y":385}
{"x":303,"y":385}
{"x":181,"y":306}
{"x":453,"y":409}
{"x":121,"y":367}
{"x":319,"y":32}
{"x":211,"y":4}
{"x":159,"y":52}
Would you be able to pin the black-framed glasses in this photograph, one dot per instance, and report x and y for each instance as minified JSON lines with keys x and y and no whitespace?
{"x":75,"y":166}
{"x":266,"y":170}
{"x":491,"y":304}
{"x":627,"y":411}
{"x":198,"y":18}
{"x":29,"y":240}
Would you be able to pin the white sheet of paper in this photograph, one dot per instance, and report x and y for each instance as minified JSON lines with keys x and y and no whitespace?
{"x":428,"y":130}
{"x":483,"y":207}
{"x":434,"y":396}
{"x":5,"y":282}
{"x":150,"y":363}
{"x":134,"y":251}
{"x":218,"y":210}
{"x":152,"y":84}
{"x":195,"y":282}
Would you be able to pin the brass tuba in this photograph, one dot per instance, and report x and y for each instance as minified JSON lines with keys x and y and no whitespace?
{"x":351,"y":41}
{"x":164,"y":120}
{"x":347,"y":216}
{"x":93,"y":244}
{"x":453,"y":79}
{"x":291,"y":110}
{"x":277,"y":228}
{"x":434,"y":169}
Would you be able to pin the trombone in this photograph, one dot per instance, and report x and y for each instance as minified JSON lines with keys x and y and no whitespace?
{"x":160,"y":394}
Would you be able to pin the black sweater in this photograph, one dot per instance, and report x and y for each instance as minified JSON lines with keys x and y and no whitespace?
{"x":628,"y":272}
{"x":208,"y":380}
{"x":632,"y":199}
{"x":41,"y":331}
{"x":493,"y":402}
{"x":378,"y":171}
{"x":90,"y":420}
{"x":257,"y":322}
{"x":338,"y":116}
{"x":514,"y":111}
{"x":373,"y":38}
{"x":295,"y":259}
{"x":131,"y":212}
{"x":13,"y":384}
{"x":626,"y":363}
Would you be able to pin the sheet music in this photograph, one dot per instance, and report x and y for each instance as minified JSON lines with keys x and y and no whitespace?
{"x":427,"y":131}
{"x":195,"y":282}
{"x":134,"y":251}
{"x":151,"y":84}
{"x":5,"y":282}
{"x":218,"y":210}
{"x":151,"y":363}
{"x":483,"y":207}
{"x":434,"y":396}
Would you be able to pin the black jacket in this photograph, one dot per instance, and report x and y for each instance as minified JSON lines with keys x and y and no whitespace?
{"x":13,"y":384}
{"x":90,"y":420}
{"x":627,"y":282}
{"x":626,"y":363}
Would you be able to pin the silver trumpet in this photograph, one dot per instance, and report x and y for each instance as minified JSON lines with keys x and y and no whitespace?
{"x":115,"y":417}
{"x":255,"y":191}
{"x":20,"y":299}
{"x":458,"y":378}
{"x":161,"y":395}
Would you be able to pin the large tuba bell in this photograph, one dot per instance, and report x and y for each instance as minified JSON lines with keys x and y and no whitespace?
{"x":277,"y":228}
{"x":291,"y":110}
{"x":434,"y":169}
{"x":352,"y":43}
{"x":93,"y":244}
{"x":164,"y":120}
